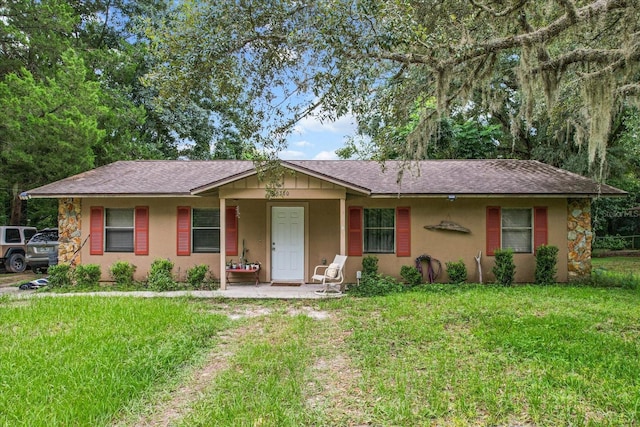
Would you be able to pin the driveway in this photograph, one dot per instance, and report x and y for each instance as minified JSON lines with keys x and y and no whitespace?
{"x":9,"y":281}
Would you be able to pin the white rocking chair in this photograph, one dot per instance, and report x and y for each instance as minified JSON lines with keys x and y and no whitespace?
{"x":331,"y":276}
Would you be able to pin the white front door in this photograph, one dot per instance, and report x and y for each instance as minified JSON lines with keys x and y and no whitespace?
{"x":287,"y":243}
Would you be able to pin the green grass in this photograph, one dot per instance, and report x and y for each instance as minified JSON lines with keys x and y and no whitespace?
{"x":264,"y":385}
{"x":453,"y":355}
{"x":79,"y":360}
{"x":623,"y":272}
{"x":547,"y":356}
{"x":625,"y":265}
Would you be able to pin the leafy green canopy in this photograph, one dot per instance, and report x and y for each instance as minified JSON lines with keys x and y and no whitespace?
{"x":72,"y":99}
{"x":274,"y":63}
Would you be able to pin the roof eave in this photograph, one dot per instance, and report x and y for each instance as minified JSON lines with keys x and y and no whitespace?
{"x":100,"y":195}
{"x":494,"y":195}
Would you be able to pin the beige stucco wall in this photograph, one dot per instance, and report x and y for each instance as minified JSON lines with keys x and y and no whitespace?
{"x":322,"y":205}
{"x":162,"y":235}
{"x":253,"y":228}
{"x":324,"y":229}
{"x":452,"y":246}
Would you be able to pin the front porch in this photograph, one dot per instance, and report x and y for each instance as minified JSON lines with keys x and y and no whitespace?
{"x":268,"y":291}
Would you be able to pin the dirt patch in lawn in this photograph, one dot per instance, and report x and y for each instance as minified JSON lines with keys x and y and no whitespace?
{"x":167,"y":412}
{"x":334,"y":384}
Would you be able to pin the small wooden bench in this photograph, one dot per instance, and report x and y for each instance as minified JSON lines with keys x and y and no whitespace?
{"x":244,"y":271}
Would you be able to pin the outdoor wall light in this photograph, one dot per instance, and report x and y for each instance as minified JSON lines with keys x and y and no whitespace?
{"x":452,"y":197}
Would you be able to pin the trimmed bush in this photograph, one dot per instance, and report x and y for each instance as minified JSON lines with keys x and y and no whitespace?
{"x":197,"y":276}
{"x":546,"y":261}
{"x":411,"y":275}
{"x":122,"y":273}
{"x":161,"y":276}
{"x":87,"y":275}
{"x":59,"y":276}
{"x":457,"y":271}
{"x":370,"y":265}
{"x":504,"y":268}
{"x":376,"y":285}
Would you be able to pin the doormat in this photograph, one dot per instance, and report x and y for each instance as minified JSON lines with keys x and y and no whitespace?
{"x":286,"y":283}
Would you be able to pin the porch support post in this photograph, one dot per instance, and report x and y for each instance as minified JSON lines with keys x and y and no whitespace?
{"x":223,"y":243}
{"x":343,"y":222}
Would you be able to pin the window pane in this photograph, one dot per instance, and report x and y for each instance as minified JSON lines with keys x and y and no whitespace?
{"x":12,"y":235}
{"x":516,"y":218}
{"x":119,"y":240}
{"x":379,"y":218}
{"x":119,"y":218}
{"x":206,"y":240}
{"x":206,"y":217}
{"x":206,"y":230}
{"x":118,"y":231}
{"x":518,"y":240}
{"x":378,"y":241}
{"x":379,"y":230}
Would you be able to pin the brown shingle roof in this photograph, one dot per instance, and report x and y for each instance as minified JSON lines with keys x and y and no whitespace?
{"x":478,"y":177}
{"x":428,"y":177}
{"x":144,"y":177}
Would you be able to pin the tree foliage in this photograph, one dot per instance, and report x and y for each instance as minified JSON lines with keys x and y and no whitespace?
{"x":280,"y":61}
{"x":72,"y":97}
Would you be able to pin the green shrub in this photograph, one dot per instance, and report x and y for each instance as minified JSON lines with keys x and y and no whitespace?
{"x":370,"y":265}
{"x":87,"y":275}
{"x":161,"y":276}
{"x":457,"y":271}
{"x":504,"y":268}
{"x":376,"y":285}
{"x":122,"y":273}
{"x":59,"y":276}
{"x":197,"y":276}
{"x":546,"y":261}
{"x":411,"y":275}
{"x":611,"y":243}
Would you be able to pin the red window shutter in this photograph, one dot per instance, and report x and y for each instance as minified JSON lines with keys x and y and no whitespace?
{"x":355,"y":231}
{"x":403,"y":231}
{"x":141,"y":238}
{"x":231,"y":231}
{"x":184,"y":231}
{"x":96,"y":228}
{"x":494,"y":227}
{"x":540,"y":232}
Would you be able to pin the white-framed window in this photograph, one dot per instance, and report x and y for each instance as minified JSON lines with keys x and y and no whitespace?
{"x":379,"y":230}
{"x":205,"y":230}
{"x":517,"y":229}
{"x":118,"y":230}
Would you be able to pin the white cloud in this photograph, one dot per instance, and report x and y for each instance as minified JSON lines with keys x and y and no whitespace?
{"x":344,"y":125}
{"x":326,"y":155}
{"x":303,"y":143}
{"x":291,"y":155}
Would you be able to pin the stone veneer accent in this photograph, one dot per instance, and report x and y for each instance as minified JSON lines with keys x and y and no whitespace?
{"x":579,"y":237}
{"x":69,"y":226}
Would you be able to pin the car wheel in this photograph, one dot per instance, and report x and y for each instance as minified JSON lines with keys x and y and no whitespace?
{"x":16,"y":263}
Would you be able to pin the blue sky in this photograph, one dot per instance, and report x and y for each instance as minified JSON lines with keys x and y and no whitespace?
{"x":316,"y":140}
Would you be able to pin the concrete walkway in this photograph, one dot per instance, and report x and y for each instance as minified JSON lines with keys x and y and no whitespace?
{"x":262,"y":291}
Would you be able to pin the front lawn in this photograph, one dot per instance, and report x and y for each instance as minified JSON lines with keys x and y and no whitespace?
{"x":619,"y":264}
{"x":452,"y":355}
{"x":81,"y":360}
